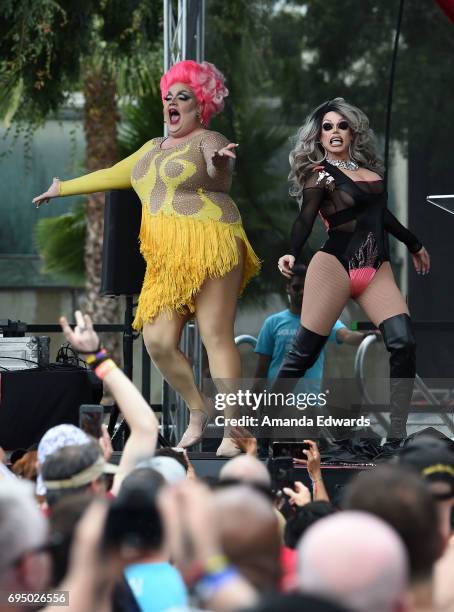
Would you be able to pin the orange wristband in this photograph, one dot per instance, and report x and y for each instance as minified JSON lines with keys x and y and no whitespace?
{"x":104,"y":368}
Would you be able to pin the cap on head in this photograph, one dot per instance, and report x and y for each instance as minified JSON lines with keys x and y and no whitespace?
{"x":433,"y":459}
{"x":55,"y":438}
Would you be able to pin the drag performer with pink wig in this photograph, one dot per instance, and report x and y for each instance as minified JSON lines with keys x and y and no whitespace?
{"x":198,"y":256}
{"x":336,"y":173}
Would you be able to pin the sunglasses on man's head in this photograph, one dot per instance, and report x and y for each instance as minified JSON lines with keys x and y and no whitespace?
{"x":342,"y":125}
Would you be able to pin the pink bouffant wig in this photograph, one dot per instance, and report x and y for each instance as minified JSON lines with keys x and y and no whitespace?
{"x":204,"y":79}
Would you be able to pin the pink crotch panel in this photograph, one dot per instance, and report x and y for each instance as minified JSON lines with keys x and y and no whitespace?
{"x":360,"y":279}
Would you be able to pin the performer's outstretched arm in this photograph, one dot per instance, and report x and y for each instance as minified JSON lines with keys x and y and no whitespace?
{"x":116,"y":177}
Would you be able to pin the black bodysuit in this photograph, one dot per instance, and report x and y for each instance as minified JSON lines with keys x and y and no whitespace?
{"x":357,"y":220}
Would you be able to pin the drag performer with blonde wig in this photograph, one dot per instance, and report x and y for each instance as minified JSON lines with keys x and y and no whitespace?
{"x":336,"y":173}
{"x":198,"y":256}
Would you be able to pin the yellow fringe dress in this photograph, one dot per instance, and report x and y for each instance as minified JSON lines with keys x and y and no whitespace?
{"x":189,"y":222}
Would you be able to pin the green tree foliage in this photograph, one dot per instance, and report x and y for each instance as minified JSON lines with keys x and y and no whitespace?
{"x":61,"y":244}
{"x":44,"y":44}
{"x":321,"y":49}
{"x":50,"y":49}
{"x":141,"y":120}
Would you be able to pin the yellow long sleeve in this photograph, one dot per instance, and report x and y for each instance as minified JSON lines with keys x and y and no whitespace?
{"x":116,"y":177}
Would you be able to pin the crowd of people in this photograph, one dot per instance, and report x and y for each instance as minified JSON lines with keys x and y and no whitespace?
{"x":150,"y":534}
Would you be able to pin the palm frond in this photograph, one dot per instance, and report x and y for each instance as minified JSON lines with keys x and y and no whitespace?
{"x":60,"y":242}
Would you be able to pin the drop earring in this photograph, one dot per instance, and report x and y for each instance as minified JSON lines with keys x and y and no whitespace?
{"x":318,"y":161}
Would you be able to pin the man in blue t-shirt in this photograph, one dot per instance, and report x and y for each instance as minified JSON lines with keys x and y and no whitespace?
{"x":278,"y":330}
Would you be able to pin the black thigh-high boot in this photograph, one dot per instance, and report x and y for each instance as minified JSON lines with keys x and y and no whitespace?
{"x":400,"y":342}
{"x":305,"y":349}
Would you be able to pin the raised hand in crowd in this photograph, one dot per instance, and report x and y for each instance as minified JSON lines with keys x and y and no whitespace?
{"x":138,"y":414}
{"x":244,"y":440}
{"x":83,"y":337}
{"x":313,"y":464}
{"x":193,"y":537}
{"x":299,"y":495}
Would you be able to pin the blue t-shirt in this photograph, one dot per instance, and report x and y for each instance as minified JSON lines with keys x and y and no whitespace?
{"x":157,"y":587}
{"x":276,"y":337}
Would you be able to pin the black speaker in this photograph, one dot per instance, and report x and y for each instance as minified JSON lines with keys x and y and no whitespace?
{"x":33,"y":401}
{"x":123,"y":267}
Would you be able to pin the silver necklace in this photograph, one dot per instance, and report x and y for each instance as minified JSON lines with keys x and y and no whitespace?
{"x":343,"y":164}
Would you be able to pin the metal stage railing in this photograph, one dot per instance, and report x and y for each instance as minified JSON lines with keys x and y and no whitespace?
{"x":246,"y":339}
{"x":420,"y":386}
{"x":175,"y":416}
{"x":174,"y":411}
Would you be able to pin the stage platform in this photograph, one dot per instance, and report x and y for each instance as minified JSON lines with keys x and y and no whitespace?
{"x":207,"y":466}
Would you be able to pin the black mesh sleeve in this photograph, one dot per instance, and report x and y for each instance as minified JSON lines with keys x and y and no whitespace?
{"x":302,"y":227}
{"x":394,"y":227}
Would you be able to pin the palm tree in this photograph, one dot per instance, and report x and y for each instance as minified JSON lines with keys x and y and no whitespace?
{"x":50,"y":49}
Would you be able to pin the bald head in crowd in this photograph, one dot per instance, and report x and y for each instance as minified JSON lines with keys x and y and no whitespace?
{"x":250,"y":534}
{"x":357,"y":560}
{"x":246,"y":468}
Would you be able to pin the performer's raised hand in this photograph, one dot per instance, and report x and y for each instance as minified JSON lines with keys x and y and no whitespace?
{"x":52,"y":192}
{"x":83,"y":338}
{"x":421,"y":261}
{"x":220,"y":156}
{"x":285,"y":265}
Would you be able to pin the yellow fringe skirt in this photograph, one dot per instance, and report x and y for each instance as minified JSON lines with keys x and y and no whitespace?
{"x":181,"y":253}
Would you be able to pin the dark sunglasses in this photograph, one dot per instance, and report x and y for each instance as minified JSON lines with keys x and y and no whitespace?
{"x":342,"y":125}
